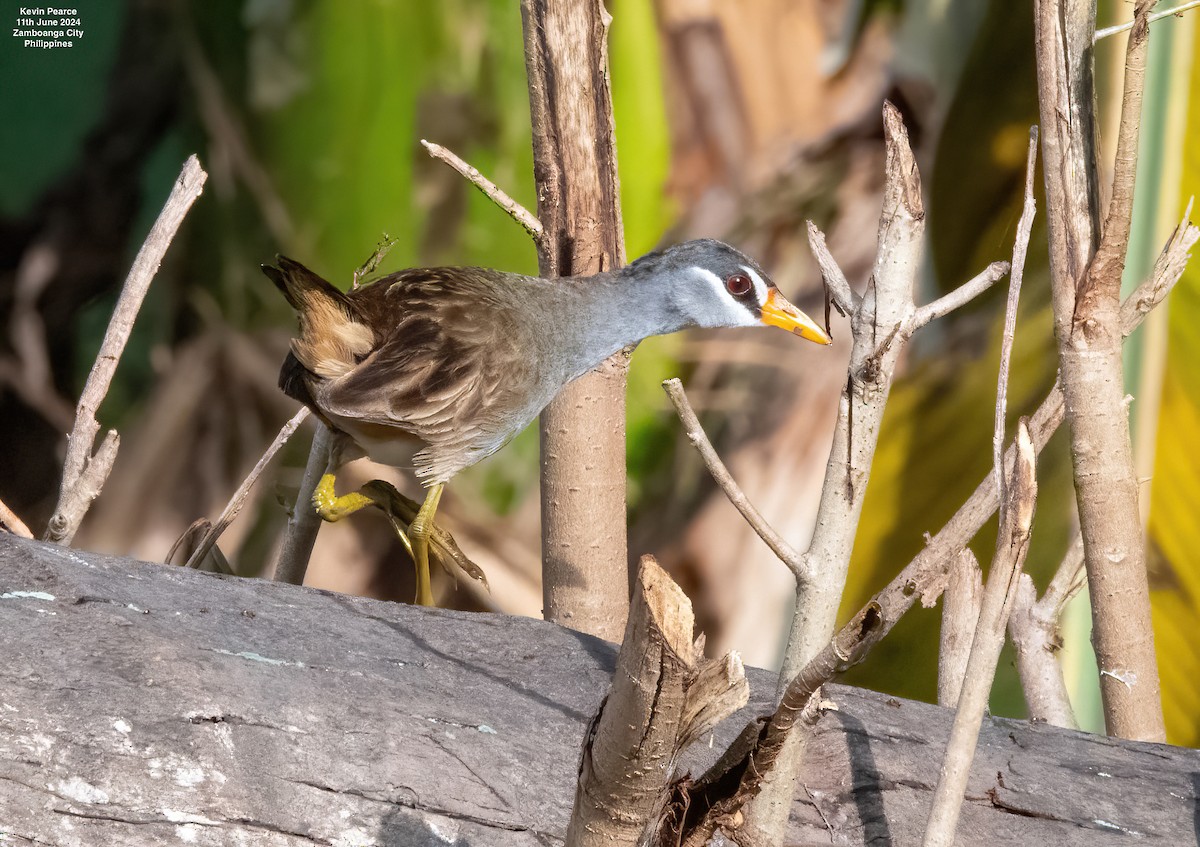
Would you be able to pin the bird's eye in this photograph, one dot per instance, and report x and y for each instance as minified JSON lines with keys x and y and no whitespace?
{"x":738,"y":284}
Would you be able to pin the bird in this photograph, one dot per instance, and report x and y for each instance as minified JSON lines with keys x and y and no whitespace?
{"x":434,"y":369}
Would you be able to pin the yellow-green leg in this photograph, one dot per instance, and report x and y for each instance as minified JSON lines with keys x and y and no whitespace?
{"x":333,"y":507}
{"x":419,"y":532}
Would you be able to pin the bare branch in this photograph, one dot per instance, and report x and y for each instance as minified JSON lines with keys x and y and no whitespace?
{"x":74,"y":498}
{"x":1086,"y":295}
{"x":304,"y":522}
{"x":65,"y":523}
{"x":924,"y":577}
{"x":1011,"y":547}
{"x":959,"y":297}
{"x":493,"y":192}
{"x":839,"y":289}
{"x":960,"y":615}
{"x":715,"y":800}
{"x":10,"y":521}
{"x":1103,"y":278}
{"x":1020,"y":250}
{"x":239,"y":497}
{"x":1157,"y":16}
{"x":1033,"y":628}
{"x":1168,"y":268}
{"x":787,"y":554}
{"x":877,"y":326}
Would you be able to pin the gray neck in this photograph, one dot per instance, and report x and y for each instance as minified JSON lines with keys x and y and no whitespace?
{"x":596,"y":316}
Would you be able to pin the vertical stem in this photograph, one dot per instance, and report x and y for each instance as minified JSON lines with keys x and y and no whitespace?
{"x":1086,"y":278}
{"x":303,"y":524}
{"x":585,"y":570}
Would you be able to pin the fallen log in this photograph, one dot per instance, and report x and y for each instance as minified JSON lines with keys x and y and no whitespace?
{"x":142,"y":704}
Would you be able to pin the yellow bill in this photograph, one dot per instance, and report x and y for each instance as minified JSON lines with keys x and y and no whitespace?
{"x":777,"y":311}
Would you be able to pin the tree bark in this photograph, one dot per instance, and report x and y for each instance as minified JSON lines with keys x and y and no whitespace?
{"x":1086,"y":283}
{"x":585,"y":568}
{"x":148,"y":705}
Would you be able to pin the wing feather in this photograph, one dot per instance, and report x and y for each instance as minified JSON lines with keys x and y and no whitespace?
{"x":453,"y":366}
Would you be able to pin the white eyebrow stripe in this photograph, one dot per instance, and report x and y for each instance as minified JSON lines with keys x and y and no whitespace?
{"x":760,"y":287}
{"x":713,"y":279}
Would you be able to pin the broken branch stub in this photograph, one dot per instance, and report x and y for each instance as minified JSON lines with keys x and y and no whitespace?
{"x":662,"y":697}
{"x":697,"y":809}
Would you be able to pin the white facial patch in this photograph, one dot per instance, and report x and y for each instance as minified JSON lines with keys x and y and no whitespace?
{"x":733,"y":312}
{"x":760,"y":287}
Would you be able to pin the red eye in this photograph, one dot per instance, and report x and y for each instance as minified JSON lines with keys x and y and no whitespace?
{"x":738,"y":284}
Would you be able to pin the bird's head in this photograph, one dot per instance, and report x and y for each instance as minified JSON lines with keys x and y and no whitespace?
{"x":713,"y":285}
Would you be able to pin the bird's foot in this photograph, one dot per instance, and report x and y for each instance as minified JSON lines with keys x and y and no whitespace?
{"x":332,"y":507}
{"x":402,"y":512}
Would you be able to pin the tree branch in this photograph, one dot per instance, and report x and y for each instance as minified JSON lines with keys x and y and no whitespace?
{"x":787,"y":554}
{"x":1168,"y":268}
{"x":842,"y":295}
{"x":1020,"y":250}
{"x":585,"y":560}
{"x":239,"y":497}
{"x":959,"y":297}
{"x":490,"y":190}
{"x":1157,"y":16}
{"x":960,"y":616}
{"x":10,"y":521}
{"x":697,"y":809}
{"x":304,"y":521}
{"x":1033,"y":628}
{"x":77,"y":490}
{"x":1011,"y":547}
{"x":881,"y":323}
{"x":1086,"y":290}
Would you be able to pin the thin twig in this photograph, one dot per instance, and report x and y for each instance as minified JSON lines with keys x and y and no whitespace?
{"x":1157,"y":16}
{"x":239,"y":497}
{"x":1103,"y":277}
{"x":10,"y":521}
{"x":959,"y":297}
{"x":839,"y":289}
{"x":493,"y":192}
{"x":1168,"y":268}
{"x":73,"y":500}
{"x":787,"y":554}
{"x":1011,"y":547}
{"x":1067,"y":580}
{"x":304,"y":522}
{"x":1020,"y":250}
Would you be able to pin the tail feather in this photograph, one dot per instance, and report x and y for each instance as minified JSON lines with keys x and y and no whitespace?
{"x":332,"y":338}
{"x":297,"y":283}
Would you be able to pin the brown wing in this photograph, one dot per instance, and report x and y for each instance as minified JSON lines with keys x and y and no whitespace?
{"x":450,"y":365}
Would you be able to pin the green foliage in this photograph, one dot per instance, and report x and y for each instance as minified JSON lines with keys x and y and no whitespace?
{"x":52,"y":98}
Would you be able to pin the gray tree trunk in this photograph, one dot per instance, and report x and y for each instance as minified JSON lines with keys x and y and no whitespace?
{"x":143,"y":705}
